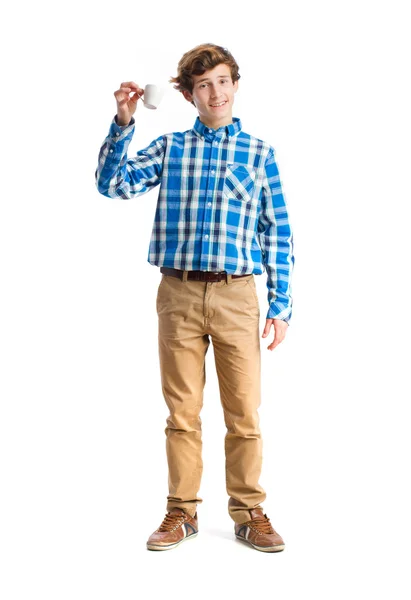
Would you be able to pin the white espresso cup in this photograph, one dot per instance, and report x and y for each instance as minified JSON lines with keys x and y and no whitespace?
{"x":153,"y":94}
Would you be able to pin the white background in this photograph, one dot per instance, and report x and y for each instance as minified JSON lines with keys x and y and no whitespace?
{"x":83,"y":463}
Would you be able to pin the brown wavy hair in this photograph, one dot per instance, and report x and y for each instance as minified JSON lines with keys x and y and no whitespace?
{"x":200,"y":59}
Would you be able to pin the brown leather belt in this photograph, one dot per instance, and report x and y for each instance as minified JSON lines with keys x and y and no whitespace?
{"x":200,"y":275}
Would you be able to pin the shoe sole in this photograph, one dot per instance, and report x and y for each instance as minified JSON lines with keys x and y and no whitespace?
{"x":262,"y":548}
{"x":170,"y":546}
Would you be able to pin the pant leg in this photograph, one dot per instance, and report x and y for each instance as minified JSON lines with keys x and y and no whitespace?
{"x":182,"y":349}
{"x":234,"y":327}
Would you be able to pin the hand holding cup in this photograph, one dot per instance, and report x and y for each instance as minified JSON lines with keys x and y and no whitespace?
{"x":127,"y":104}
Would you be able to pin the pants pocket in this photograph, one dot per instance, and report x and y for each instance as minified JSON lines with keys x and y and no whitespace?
{"x":163,"y":278}
{"x":251,"y":285}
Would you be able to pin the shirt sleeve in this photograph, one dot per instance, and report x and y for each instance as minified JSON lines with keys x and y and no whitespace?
{"x":276,"y":241}
{"x":116,"y":175}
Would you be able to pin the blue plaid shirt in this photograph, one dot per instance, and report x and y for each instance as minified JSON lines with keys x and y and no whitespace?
{"x":220,"y":205}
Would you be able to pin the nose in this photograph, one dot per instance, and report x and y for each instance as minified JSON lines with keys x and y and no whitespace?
{"x":214,"y":92}
{"x":216,"y":97}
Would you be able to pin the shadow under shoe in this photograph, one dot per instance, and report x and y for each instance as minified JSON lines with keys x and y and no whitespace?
{"x":259,"y":533}
{"x":177,"y":526}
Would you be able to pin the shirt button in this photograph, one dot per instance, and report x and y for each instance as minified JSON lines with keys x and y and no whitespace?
{"x":212,"y":171}
{"x":206,"y":237}
{"x":111,"y":150}
{"x":210,"y":131}
{"x":208,"y":203}
{"x":117,"y":133}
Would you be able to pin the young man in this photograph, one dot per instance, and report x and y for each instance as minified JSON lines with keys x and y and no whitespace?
{"x":221,"y":217}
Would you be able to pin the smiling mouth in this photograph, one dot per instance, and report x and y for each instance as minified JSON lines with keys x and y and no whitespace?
{"x":219,"y":104}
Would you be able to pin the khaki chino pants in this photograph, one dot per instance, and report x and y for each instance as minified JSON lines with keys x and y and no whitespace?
{"x":189,"y":313}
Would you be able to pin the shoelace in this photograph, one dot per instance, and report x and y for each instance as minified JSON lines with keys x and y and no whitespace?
{"x":171,"y":521}
{"x":262,"y":525}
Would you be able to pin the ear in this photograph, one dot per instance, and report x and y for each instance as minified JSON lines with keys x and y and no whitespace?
{"x":187,"y":95}
{"x":235,"y":86}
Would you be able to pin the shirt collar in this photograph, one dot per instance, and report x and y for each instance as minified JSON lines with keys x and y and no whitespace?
{"x":231,"y":130}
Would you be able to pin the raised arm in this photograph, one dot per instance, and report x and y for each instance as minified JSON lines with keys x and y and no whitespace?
{"x":116,"y":175}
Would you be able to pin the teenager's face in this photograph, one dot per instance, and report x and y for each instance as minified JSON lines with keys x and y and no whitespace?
{"x":210,"y":89}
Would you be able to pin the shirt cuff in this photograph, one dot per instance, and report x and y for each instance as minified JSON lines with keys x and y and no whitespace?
{"x":279,"y":312}
{"x":119,"y":132}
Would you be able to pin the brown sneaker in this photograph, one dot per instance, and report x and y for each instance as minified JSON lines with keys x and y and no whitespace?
{"x":259,"y":533}
{"x":176,"y":527}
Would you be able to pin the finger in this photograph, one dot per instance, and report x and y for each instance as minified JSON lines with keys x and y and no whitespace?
{"x":129,"y":84}
{"x":278,"y":339}
{"x":122,"y":95}
{"x":266,"y":329}
{"x":132,"y":85}
{"x":128,"y":90}
{"x":137,"y":95}
{"x":121,"y":98}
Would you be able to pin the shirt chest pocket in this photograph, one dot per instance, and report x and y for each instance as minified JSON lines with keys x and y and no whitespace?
{"x":239,"y":182}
